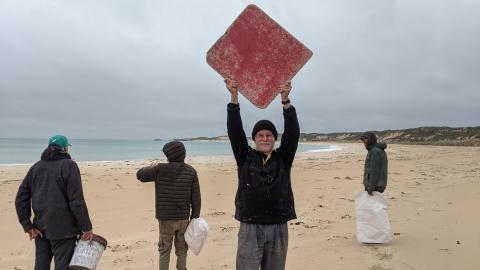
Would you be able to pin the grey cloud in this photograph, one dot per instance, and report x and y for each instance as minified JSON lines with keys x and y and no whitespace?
{"x":126,"y":69}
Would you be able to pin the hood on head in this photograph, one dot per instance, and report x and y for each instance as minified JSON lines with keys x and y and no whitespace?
{"x":371,"y":137}
{"x":54,"y":152}
{"x":174,"y":151}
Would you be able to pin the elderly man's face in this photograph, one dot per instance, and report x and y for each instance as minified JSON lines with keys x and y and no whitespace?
{"x":264,"y":141}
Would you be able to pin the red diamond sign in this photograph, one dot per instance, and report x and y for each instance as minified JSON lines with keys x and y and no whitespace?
{"x":259,"y":54}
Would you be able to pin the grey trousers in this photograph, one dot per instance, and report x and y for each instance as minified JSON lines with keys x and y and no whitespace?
{"x":172,"y":231}
{"x":60,"y":250}
{"x":262,"y":246}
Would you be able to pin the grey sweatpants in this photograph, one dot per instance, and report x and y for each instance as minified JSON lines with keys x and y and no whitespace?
{"x":262,"y":246}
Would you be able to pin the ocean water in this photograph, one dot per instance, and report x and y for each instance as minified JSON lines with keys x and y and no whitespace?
{"x":28,"y":151}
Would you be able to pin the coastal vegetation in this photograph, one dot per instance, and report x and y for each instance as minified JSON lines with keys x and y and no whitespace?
{"x":453,"y":136}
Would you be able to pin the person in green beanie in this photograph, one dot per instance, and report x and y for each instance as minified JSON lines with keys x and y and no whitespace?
{"x":53,"y":189}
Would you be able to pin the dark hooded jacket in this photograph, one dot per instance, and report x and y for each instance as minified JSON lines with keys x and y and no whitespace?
{"x":176,"y":185}
{"x":376,"y":164}
{"x":53,"y":189}
{"x":264,"y":194}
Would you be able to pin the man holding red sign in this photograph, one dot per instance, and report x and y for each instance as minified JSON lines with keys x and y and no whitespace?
{"x":264,"y":200}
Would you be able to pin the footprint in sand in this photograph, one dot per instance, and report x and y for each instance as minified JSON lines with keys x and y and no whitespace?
{"x":297,"y":223}
{"x":446,"y":250}
{"x":384,"y":256}
{"x":226,"y":228}
{"x":337,"y":237}
{"x":217,"y":213}
{"x":377,"y":267}
{"x":116,"y":248}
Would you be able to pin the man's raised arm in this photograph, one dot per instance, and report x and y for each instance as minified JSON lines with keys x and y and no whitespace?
{"x":291,"y":128}
{"x":236,"y":134}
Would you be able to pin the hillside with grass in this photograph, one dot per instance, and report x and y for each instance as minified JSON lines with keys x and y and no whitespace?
{"x":464,"y":136}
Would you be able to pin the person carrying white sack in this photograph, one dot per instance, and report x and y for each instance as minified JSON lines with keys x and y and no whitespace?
{"x":177,"y":191}
{"x":373,"y":225}
{"x":376,"y":164}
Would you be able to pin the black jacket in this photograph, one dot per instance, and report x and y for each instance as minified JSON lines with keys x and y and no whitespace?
{"x":53,"y":189}
{"x":376,"y":167}
{"x":264,"y":194}
{"x":176,"y":187}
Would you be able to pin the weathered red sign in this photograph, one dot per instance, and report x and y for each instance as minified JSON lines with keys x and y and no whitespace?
{"x":259,"y":54}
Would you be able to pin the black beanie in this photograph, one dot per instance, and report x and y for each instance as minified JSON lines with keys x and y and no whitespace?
{"x":264,"y":124}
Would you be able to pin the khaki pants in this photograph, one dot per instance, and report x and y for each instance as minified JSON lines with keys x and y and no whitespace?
{"x":172,"y":231}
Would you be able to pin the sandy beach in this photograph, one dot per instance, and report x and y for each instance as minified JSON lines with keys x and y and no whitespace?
{"x":433,"y":194}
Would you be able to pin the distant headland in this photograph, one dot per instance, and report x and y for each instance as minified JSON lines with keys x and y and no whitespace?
{"x":453,"y":136}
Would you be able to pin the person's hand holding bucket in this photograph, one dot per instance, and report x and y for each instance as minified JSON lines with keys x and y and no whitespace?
{"x":88,"y":252}
{"x":87,"y":236}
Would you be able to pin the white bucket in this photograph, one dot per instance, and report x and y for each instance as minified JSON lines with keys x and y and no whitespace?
{"x":87,"y":253}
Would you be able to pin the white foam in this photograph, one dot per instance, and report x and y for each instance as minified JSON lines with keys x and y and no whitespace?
{"x":330,"y":149}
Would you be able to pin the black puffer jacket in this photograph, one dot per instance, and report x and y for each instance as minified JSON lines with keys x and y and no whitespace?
{"x":176,"y":185}
{"x":53,"y":189}
{"x":264,"y":194}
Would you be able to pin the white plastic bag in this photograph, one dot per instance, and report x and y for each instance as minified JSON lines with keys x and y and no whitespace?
{"x":372,"y":219}
{"x":196,"y":234}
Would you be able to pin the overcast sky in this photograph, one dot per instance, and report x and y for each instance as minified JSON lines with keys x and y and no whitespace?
{"x":137,"y":69}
